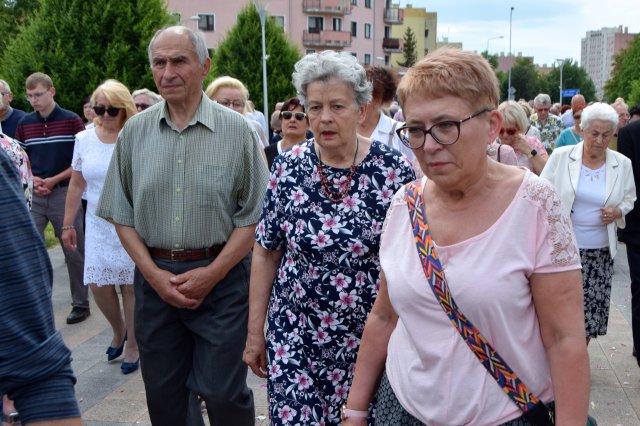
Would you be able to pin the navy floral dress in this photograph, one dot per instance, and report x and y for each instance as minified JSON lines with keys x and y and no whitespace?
{"x":327,"y":280}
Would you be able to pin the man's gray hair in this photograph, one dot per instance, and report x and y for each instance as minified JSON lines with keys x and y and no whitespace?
{"x":153,"y":96}
{"x":5,"y":85}
{"x":329,"y":64}
{"x":599,"y":111}
{"x":196,"y":38}
{"x":542,"y":100}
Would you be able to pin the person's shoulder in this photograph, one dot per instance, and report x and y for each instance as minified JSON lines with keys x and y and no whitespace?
{"x":539,"y":190}
{"x":297,"y":152}
{"x":621,"y":158}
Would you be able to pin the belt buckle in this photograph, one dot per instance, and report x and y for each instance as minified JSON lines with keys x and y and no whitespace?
{"x":176,"y":252}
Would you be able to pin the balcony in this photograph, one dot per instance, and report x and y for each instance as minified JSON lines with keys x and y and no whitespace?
{"x":334,"y":7}
{"x":326,"y":38}
{"x":393,"y":16}
{"x":392,"y":45}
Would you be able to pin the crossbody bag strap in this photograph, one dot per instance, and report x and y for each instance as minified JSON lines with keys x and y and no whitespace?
{"x":492,"y":361}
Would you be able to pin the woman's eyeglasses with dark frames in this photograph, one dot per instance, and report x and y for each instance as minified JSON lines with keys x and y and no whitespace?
{"x":445,"y":132}
{"x":100,"y":110}
{"x":510,"y":132}
{"x":288,"y":114}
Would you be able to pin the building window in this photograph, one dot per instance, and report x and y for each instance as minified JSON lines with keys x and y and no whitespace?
{"x":367,"y":59}
{"x":367,"y":4}
{"x":354,"y":2}
{"x":310,"y":51}
{"x":367,"y":30}
{"x":316,"y":24}
{"x":279,"y":20}
{"x":354,"y":29}
{"x":206,"y":22}
{"x":337,"y":24}
{"x":387,"y":60}
{"x":426,"y":33}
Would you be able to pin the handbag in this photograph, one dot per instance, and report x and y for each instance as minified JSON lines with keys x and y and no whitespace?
{"x":534,"y":410}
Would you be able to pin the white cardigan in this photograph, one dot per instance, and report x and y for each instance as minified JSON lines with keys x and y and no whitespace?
{"x":563,"y":170}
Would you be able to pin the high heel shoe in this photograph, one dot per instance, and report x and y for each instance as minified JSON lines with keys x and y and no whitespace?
{"x":130,"y":367}
{"x":113,"y":353}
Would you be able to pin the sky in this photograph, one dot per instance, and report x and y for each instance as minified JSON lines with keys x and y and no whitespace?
{"x":546,"y":30}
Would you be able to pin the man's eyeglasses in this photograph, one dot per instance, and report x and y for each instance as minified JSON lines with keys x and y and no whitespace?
{"x":32,"y":96}
{"x":142,"y":107}
{"x":238,"y":103}
{"x":510,"y":132}
{"x":445,"y":132}
{"x":542,"y":109}
{"x":100,"y":110}
{"x":288,"y":114}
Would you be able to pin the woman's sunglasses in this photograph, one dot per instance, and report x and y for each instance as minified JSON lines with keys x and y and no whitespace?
{"x":288,"y":114}
{"x":142,"y":107}
{"x":100,"y":110}
{"x":510,"y":132}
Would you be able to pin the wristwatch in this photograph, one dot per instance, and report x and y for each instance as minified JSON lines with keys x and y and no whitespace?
{"x":346,"y":413}
{"x":532,"y":154}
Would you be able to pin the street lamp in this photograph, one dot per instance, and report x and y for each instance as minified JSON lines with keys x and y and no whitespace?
{"x":561,"y":65}
{"x":509,"y":91}
{"x":261,"y":5}
{"x":492,"y":38}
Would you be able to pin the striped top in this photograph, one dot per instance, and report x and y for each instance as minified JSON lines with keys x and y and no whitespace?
{"x":185,"y":188}
{"x":49,"y":141}
{"x":30,"y":347}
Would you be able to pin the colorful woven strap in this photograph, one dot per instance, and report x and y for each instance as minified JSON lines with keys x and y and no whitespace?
{"x":492,"y":361}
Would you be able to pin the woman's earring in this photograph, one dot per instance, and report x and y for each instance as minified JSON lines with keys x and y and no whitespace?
{"x":491,"y":150}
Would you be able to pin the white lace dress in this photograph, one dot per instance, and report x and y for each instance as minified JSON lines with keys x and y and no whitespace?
{"x":105,"y":262}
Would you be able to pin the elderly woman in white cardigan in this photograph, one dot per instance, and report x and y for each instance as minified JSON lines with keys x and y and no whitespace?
{"x":596,"y":186}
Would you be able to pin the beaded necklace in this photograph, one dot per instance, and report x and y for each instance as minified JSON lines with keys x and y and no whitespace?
{"x":336,"y":197}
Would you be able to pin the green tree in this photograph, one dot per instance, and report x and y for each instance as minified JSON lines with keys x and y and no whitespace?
{"x":492,"y":59}
{"x":239,"y":55}
{"x":524,"y":78}
{"x":82,"y":43}
{"x":14,"y":14}
{"x":409,"y":49}
{"x":573,"y":77}
{"x":625,"y":78}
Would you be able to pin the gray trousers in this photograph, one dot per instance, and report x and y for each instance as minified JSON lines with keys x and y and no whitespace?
{"x":195,"y":352}
{"x":51,"y":209}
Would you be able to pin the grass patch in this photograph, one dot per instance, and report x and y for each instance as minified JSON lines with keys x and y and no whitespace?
{"x":50,"y":239}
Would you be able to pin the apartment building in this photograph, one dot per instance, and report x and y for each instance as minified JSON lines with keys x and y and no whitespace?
{"x":598,"y":50}
{"x":361,"y":27}
{"x":424,"y":26}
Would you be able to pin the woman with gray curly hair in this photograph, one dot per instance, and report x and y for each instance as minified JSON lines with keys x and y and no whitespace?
{"x":316,"y":269}
{"x":597,"y":189}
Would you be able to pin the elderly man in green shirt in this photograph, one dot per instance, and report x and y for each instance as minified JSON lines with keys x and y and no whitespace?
{"x":184,"y":190}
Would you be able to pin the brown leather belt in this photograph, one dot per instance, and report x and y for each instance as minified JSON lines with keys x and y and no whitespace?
{"x":182,"y":255}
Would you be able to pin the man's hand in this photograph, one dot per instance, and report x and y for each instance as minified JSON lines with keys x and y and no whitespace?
{"x":40,"y":188}
{"x":196,"y":284}
{"x":160,"y":280}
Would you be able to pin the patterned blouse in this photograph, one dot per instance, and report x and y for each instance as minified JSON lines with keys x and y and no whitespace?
{"x":21,"y":160}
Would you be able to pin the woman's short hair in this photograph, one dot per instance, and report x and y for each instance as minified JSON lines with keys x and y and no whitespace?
{"x":153,"y":96}
{"x":525,"y":107}
{"x":542,"y":100}
{"x":291,"y":104}
{"x":385,"y":82}
{"x":513,"y":114}
{"x":599,"y":111}
{"x":118,"y":96}
{"x":452,"y":72}
{"x":329,"y":64}
{"x":226,"y":82}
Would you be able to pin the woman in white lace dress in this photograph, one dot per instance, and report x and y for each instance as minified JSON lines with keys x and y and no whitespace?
{"x":106,"y":263}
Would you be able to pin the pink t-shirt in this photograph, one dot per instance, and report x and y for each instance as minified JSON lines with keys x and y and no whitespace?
{"x":431,"y":369}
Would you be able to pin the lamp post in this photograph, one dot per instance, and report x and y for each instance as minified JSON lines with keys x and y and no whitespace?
{"x":492,"y":38}
{"x":561,"y":65}
{"x":261,"y":5}
{"x":509,"y":92}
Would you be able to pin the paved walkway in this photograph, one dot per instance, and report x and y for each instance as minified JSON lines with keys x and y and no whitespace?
{"x":109,"y":398}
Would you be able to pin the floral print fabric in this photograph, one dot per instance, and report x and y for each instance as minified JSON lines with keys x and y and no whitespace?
{"x":328,"y":277}
{"x":597,"y":274}
{"x":21,"y":160}
{"x":549,"y":130}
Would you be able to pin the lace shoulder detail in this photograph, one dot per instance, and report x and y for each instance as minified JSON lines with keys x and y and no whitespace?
{"x":397,"y":200}
{"x":564,"y":250}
